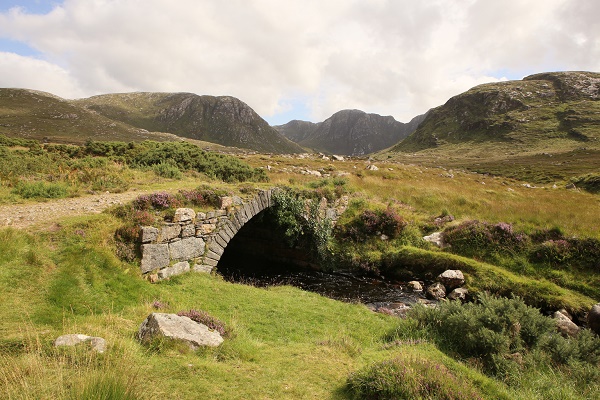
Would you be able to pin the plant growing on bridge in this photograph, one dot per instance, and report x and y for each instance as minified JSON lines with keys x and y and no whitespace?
{"x":301,"y":220}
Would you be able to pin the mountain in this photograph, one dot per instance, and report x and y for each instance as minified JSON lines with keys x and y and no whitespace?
{"x":40,"y":115}
{"x":543,"y":128}
{"x":224,"y":120}
{"x":349,"y":132}
{"x":542,"y":110}
{"x":138,"y":116}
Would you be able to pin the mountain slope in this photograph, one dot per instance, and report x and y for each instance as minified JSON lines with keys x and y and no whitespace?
{"x":39,"y":115}
{"x":542,"y":111}
{"x":544,"y":128}
{"x":349,"y":132}
{"x":224,"y":120}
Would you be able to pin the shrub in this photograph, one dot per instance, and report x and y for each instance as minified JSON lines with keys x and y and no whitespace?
{"x":407,"y":377}
{"x":590,"y":182}
{"x":202,"y":317}
{"x":572,"y":252}
{"x":371,"y":223}
{"x":167,"y":170}
{"x":478,"y":239}
{"x":491,"y":329}
{"x":39,"y":189}
{"x":158,"y":201}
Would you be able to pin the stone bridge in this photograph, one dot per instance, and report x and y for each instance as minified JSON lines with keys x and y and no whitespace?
{"x":196,"y":241}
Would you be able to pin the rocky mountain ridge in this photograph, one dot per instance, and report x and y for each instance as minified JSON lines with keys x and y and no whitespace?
{"x":559,"y":109}
{"x":349,"y":132}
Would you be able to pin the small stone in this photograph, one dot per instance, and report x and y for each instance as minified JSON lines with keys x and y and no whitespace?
{"x":414,"y":286}
{"x":96,"y":343}
{"x":458,"y":294}
{"x":435,"y":238}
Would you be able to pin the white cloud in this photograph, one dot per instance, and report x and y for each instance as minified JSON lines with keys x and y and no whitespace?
{"x":392,"y":57}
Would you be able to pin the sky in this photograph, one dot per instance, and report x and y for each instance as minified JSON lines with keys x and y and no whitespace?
{"x":294,"y":59}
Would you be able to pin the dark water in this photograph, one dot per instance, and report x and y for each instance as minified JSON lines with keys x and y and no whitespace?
{"x":339,"y":286}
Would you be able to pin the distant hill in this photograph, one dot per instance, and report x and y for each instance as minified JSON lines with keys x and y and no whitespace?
{"x":40,"y":115}
{"x":224,"y":120}
{"x":544,"y":127}
{"x":349,"y":132}
{"x":138,"y":116}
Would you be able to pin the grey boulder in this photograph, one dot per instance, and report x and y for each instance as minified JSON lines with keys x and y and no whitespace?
{"x":176,"y":327}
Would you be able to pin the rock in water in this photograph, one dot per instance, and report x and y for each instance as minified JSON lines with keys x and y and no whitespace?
{"x":436,"y":291}
{"x":451,"y":278}
{"x":176,"y":327}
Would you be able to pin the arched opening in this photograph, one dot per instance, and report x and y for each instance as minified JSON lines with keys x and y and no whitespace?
{"x":260,"y":247}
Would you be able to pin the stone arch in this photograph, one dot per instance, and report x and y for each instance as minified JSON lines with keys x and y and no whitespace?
{"x":227,"y":226}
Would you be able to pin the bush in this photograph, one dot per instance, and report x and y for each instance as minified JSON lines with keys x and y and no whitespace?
{"x":371,"y":223}
{"x":167,"y":170}
{"x":40,"y":190}
{"x":492,"y":329}
{"x":479,"y":239}
{"x":410,"y":378}
{"x":572,"y":252}
{"x":157,"y":201}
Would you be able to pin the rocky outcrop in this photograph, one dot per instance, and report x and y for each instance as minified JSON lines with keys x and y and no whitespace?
{"x":436,"y":291}
{"x":95,"y":343}
{"x":349,"y":132}
{"x":180,"y":328}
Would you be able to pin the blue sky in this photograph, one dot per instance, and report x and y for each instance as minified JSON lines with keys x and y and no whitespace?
{"x":294,"y":59}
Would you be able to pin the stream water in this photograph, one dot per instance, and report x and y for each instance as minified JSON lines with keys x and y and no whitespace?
{"x":374,"y":292}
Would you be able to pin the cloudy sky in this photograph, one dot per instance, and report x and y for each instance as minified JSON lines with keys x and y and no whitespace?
{"x":293,"y":59}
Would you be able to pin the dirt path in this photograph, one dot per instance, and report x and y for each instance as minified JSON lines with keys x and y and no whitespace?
{"x":25,"y":215}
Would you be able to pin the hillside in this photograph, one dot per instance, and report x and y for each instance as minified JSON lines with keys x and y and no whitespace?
{"x":349,"y":132}
{"x":224,"y":120}
{"x":547,"y":126}
{"x":43,"y":116}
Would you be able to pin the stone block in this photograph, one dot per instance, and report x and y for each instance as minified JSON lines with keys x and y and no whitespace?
{"x":184,"y":215}
{"x":149,"y":234}
{"x":200,"y":216}
{"x":203,"y":268}
{"x":177,"y":269}
{"x":169,"y":232}
{"x":226,"y":202}
{"x":188,"y":230}
{"x":154,"y":256}
{"x":210,"y":262}
{"x":186,"y":249}
{"x":211,"y":214}
{"x":205,"y":229}
{"x":179,"y":328}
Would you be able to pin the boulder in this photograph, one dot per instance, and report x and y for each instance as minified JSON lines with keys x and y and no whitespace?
{"x":184,"y":215}
{"x":451,"y":278}
{"x":593,"y":319}
{"x":180,"y":328}
{"x":435,"y":238}
{"x":372,"y":167}
{"x":414,"y":286}
{"x":564,"y":325}
{"x":96,"y":343}
{"x":458,"y":294}
{"x":436,"y":291}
